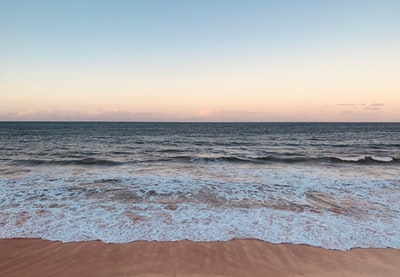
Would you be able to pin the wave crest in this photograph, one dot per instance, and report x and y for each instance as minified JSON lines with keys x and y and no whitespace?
{"x":85,"y":161}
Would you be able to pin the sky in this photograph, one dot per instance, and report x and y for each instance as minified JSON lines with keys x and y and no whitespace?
{"x":200,"y":60}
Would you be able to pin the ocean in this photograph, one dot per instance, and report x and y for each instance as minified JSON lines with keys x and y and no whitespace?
{"x":332,"y":185}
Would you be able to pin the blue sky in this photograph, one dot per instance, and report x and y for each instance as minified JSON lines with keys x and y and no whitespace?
{"x":57,"y":55}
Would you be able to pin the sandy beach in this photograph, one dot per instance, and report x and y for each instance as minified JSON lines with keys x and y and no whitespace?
{"x":239,"y":257}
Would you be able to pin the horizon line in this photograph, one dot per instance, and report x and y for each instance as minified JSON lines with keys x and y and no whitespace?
{"x":191,"y":122}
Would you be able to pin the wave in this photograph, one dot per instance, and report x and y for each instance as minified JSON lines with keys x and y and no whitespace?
{"x":85,"y":161}
{"x":170,"y":151}
{"x":362,"y":160}
{"x":275,"y":159}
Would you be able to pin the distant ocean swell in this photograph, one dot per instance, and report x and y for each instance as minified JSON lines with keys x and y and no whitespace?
{"x":361,"y":160}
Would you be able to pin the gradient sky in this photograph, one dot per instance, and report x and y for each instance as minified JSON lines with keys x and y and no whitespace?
{"x":204,"y":60}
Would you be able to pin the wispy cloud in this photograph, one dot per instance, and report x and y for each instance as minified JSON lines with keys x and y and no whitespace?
{"x":56,"y":115}
{"x":362,"y":106}
{"x":338,"y":112}
{"x":116,"y":115}
{"x":375,"y":106}
{"x":361,"y":111}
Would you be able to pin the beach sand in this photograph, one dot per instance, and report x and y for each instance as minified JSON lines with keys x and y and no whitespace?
{"x":239,"y":257}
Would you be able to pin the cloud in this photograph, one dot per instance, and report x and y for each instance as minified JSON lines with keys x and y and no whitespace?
{"x":112,"y":115}
{"x":55,"y":115}
{"x":361,"y":111}
{"x":342,"y":112}
{"x":233,"y":115}
{"x":363,"y":106}
{"x":116,"y":115}
{"x":205,"y":112}
{"x":375,"y":106}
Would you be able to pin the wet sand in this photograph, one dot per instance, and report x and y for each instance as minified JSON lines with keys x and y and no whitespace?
{"x":239,"y":257}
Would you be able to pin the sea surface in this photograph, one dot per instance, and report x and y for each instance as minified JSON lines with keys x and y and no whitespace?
{"x":333,"y":185}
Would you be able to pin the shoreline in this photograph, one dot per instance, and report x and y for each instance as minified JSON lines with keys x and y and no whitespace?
{"x":237,"y":257}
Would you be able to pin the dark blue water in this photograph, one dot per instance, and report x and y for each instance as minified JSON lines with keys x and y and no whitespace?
{"x":120,"y":143}
{"x":334,"y":185}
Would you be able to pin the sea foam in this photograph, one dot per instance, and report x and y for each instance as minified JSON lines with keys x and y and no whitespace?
{"x":208,"y":202}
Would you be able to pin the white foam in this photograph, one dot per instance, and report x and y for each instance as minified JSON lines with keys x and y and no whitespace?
{"x":361,"y":158}
{"x":336,"y":208}
{"x":352,"y":159}
{"x":382,"y":159}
